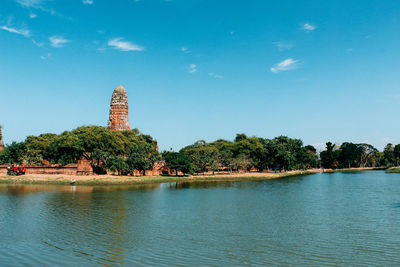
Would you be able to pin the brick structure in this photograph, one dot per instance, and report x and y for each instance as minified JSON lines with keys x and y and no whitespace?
{"x":119,"y":116}
{"x":1,"y":141}
{"x":84,"y":167}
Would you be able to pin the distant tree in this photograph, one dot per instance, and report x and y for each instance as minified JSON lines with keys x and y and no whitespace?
{"x":396,"y":154}
{"x":38,"y":148}
{"x":117,"y":164}
{"x":242,"y":162}
{"x":15,"y":153}
{"x":178,"y":161}
{"x":368,"y":153}
{"x":389,"y":155}
{"x":349,"y":155}
{"x":308,"y":157}
{"x":329,"y":156}
{"x":142,"y":157}
{"x":240,"y":137}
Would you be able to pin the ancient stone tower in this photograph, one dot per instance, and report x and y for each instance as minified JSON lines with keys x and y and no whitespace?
{"x":119,"y":117}
{"x":1,"y":141}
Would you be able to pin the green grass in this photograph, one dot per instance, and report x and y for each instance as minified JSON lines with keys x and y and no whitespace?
{"x":394,"y":170}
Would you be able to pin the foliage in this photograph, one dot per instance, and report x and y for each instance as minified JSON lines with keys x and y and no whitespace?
{"x":246,"y":153}
{"x":178,"y":161}
{"x":119,"y":151}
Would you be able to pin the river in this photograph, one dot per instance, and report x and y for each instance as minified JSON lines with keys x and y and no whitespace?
{"x":341,"y":219}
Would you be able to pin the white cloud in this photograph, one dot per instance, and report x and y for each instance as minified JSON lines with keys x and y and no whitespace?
{"x":119,"y":44}
{"x":87,"y":2}
{"x":30,"y":3}
{"x":32,"y":15}
{"x":217,"y":76}
{"x":192,"y":68}
{"x":308,"y":27}
{"x":58,"y":41}
{"x":287,"y":64}
{"x":185,"y":49}
{"x":282,"y":45}
{"x":23,"y":32}
{"x":37,"y":43}
{"x":40,"y":5}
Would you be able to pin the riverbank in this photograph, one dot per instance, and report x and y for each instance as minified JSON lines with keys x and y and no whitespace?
{"x":128,"y":180}
{"x":125,"y":180}
{"x":393,"y":170}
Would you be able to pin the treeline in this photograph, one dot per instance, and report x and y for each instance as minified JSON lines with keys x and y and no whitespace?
{"x":350,"y":155}
{"x":244,"y":153}
{"x":120,"y":151}
{"x":126,"y":151}
{"x":278,"y":154}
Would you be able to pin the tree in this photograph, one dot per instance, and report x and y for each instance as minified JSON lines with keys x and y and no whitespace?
{"x":15,"y":153}
{"x":396,"y":154}
{"x":118,"y":164}
{"x":308,"y":157}
{"x":329,"y":156}
{"x":38,"y":148}
{"x":142,"y":157}
{"x":389,"y":155}
{"x":368,"y":153}
{"x":349,"y":155}
{"x":178,"y":161}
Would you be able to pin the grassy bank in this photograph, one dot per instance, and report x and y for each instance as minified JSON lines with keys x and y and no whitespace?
{"x":130,"y":180}
{"x":127,"y":180}
{"x":355,"y":169}
{"x":393,"y":170}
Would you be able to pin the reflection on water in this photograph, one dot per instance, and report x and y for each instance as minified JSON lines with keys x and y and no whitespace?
{"x":325,"y":219}
{"x":21,"y":189}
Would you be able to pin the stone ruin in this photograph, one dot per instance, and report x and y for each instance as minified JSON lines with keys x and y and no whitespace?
{"x":1,"y":141}
{"x":119,"y":115}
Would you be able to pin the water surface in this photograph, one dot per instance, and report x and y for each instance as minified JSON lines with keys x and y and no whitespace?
{"x":345,"y":219}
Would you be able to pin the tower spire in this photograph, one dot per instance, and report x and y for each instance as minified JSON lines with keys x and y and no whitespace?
{"x":1,"y":141}
{"x":119,"y":113}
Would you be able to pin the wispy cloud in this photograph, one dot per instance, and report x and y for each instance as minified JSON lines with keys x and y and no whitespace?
{"x":40,"y":5}
{"x":119,"y":44}
{"x":58,"y":41}
{"x":30,"y":3}
{"x":39,"y":44}
{"x":192,"y":68}
{"x":48,"y":56}
{"x":87,"y":2}
{"x":185,"y":49}
{"x":287,"y":64}
{"x":308,"y":27}
{"x":282,"y":45}
{"x":214,"y":75}
{"x":23,"y":32}
{"x":32,"y":15}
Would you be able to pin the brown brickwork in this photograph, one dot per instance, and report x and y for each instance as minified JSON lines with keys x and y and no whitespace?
{"x":119,"y":115}
{"x":1,"y":141}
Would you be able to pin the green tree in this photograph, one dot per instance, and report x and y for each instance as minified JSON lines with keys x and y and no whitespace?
{"x":142,"y":157}
{"x":15,"y":153}
{"x":117,"y":164}
{"x":178,"y":161}
{"x":389,"y":155}
{"x":349,"y":155}
{"x":329,"y":156}
{"x":396,"y":154}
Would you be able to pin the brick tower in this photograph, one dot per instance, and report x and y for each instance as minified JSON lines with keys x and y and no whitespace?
{"x":119,"y":117}
{"x":1,"y":141}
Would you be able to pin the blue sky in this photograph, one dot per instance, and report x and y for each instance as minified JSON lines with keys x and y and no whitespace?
{"x":316,"y":70}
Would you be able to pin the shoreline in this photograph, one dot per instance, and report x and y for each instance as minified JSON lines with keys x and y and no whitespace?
{"x":54,"y":179}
